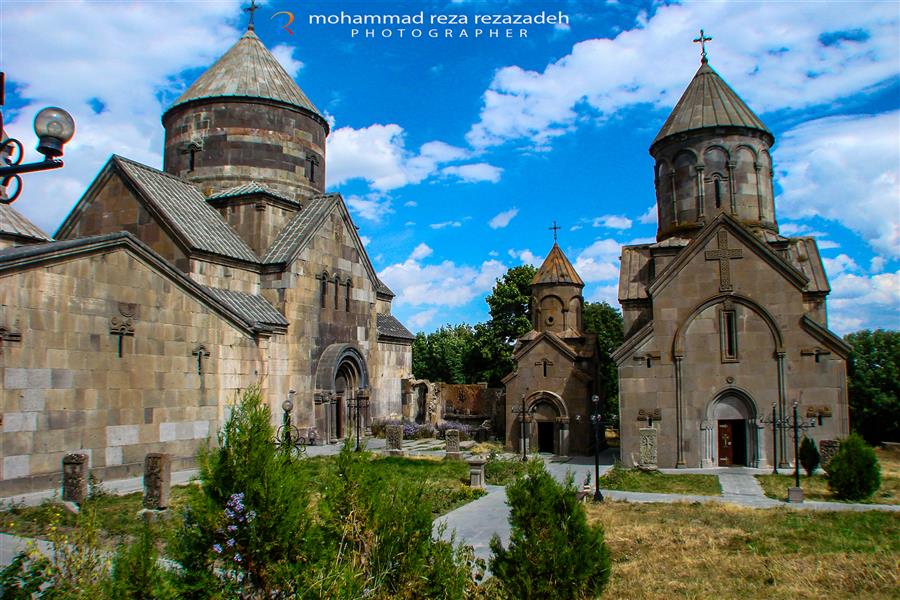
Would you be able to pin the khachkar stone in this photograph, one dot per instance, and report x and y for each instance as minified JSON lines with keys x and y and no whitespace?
{"x":394,"y":434}
{"x":827,"y":450}
{"x":75,"y":483}
{"x":647,"y":458}
{"x":452,"y":438}
{"x":157,"y":480}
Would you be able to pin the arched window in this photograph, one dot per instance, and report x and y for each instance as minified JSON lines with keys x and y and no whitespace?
{"x":324,"y":288}
{"x":347,"y":297}
{"x":337,"y":287}
{"x":717,"y":184}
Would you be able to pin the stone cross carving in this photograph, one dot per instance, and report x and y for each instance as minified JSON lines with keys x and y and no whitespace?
{"x":649,"y":415}
{"x":75,"y":483}
{"x":827,"y":450}
{"x":648,"y":447}
{"x":724,"y":254}
{"x":157,"y":480}
{"x":394,"y":435}
{"x":452,"y":438}
{"x":201,"y":353}
{"x":123,"y":325}
{"x":817,"y":352}
{"x":546,"y":363}
{"x":7,"y":335}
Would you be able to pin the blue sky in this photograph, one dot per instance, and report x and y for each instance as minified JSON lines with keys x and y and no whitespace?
{"x":456,"y":154}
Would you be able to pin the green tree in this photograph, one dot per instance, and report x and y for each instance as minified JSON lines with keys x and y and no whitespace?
{"x":606,"y":322}
{"x":553,"y":552}
{"x":854,"y":472}
{"x":874,"y":384}
{"x":444,"y":355}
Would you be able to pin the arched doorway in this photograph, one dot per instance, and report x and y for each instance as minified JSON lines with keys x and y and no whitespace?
{"x":732,"y":433}
{"x":550,"y":424}
{"x":342,"y":379}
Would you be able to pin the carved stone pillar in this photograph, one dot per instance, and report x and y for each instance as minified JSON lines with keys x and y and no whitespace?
{"x":157,"y":480}
{"x":75,"y":482}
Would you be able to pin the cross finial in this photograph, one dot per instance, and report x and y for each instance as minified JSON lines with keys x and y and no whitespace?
{"x":251,"y":9}
{"x":702,"y":41}
{"x":555,"y":228}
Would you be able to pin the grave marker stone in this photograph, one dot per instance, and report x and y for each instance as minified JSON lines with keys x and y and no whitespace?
{"x":648,"y":449}
{"x":394,"y":435}
{"x":75,"y":483}
{"x":157,"y":480}
{"x":452,"y":438}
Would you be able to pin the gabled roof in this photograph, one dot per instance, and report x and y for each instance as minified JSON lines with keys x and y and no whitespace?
{"x":35,"y":255}
{"x":255,"y":309}
{"x":746,"y":237}
{"x":709,"y":102}
{"x":826,"y":336}
{"x":298,"y":231}
{"x":252,"y":188}
{"x":628,"y":347}
{"x":552,"y":339}
{"x":14,"y":224}
{"x":390,"y":328}
{"x":177,"y":204}
{"x":556,"y":270}
{"x":382,"y":289}
{"x":248,"y":70}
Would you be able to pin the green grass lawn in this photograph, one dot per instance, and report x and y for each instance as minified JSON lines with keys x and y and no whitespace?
{"x":816,"y":487}
{"x":722,"y":551}
{"x":444,"y":484}
{"x":635,"y":480}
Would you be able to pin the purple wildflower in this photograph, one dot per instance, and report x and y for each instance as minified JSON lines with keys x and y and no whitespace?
{"x":217,"y":548}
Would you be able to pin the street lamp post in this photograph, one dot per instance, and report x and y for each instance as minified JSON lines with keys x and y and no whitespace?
{"x":522,"y":412}
{"x":287,"y":406}
{"x":597,"y":422}
{"x":356,"y":404}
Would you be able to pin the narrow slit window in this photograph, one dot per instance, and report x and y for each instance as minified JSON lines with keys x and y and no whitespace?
{"x":347,"y":298}
{"x":337,"y":289}
{"x":324,"y":289}
{"x":717,"y":184}
{"x":729,"y":335}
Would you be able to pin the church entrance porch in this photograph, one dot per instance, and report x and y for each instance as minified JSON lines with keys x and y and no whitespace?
{"x":731,"y":436}
{"x":550,"y":430}
{"x":342,"y":380}
{"x":545,"y":436}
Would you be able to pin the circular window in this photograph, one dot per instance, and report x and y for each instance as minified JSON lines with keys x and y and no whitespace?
{"x":550,"y":320}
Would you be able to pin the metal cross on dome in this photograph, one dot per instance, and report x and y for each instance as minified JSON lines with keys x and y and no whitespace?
{"x":555,"y":228}
{"x":251,"y":9}
{"x":702,"y":41}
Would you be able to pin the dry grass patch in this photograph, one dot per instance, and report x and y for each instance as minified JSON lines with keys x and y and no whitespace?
{"x":711,"y":551}
{"x":816,"y":487}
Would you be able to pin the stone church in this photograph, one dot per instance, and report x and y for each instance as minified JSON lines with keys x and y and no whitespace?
{"x":556,"y":367}
{"x":725,"y":319}
{"x":166,"y":292}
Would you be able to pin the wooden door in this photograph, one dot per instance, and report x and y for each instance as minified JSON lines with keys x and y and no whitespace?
{"x":726,"y":443}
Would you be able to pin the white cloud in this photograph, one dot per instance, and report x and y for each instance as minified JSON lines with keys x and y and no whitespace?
{"x":474,"y":173}
{"x":612,"y":222}
{"x":806,"y":63}
{"x":371,"y":207}
{"x":410,"y":203}
{"x":526,"y":257}
{"x":605,"y":293}
{"x":421,"y":319}
{"x":574,"y":227}
{"x":493,"y":253}
{"x":599,"y":261}
{"x":876,"y":265}
{"x":442,"y":284}
{"x":845,"y":169}
{"x":502,"y":219}
{"x":366,"y":240}
{"x":284,"y":54}
{"x":839,"y":264}
{"x":421,"y":251}
{"x":445,"y":224}
{"x":859,"y":301}
{"x":378,"y":155}
{"x":94,"y":62}
{"x":649,"y":217}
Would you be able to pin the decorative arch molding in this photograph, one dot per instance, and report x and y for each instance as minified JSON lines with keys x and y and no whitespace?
{"x":678,"y":341}
{"x":724,"y":150}
{"x":733,"y":392}
{"x":689,"y":152}
{"x":734,"y":404}
{"x":331,"y":361}
{"x":551,"y":398}
{"x":752,"y":150}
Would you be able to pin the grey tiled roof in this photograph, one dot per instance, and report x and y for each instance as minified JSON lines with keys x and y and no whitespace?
{"x":13,"y":223}
{"x":253,"y":308}
{"x":382,"y":288}
{"x":389,"y":326}
{"x":709,"y":102}
{"x":299,"y":229}
{"x":185,"y":208}
{"x":248,"y":70}
{"x":247,"y":189}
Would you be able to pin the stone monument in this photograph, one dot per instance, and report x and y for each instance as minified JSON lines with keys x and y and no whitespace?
{"x":827,"y":450}
{"x":75,"y":484}
{"x":476,"y":473}
{"x":394,"y":435}
{"x":157,"y":480}
{"x":452,"y":438}
{"x":647,"y":458}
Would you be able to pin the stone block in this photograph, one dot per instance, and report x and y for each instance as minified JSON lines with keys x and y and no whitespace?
{"x":14,"y":422}
{"x":15,"y":379}
{"x":157,"y":481}
{"x":32,"y":401}
{"x":795,"y":495}
{"x":62,"y":378}
{"x":113,"y":456}
{"x":15,"y":467}
{"x":476,"y":473}
{"x":122,"y":435}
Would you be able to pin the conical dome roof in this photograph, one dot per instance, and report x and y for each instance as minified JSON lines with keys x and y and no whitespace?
{"x":556,"y":270}
{"x":709,"y":102}
{"x":248,"y":70}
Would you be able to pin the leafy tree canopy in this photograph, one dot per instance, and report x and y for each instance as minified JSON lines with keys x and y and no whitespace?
{"x":873,"y":374}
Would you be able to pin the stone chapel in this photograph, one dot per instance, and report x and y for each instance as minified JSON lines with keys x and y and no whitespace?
{"x":725,"y":319}
{"x":166,"y":292}
{"x":556,"y":367}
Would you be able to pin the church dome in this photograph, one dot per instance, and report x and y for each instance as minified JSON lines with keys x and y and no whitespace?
{"x":712,"y":156}
{"x":556,"y":301}
{"x":243,"y":120}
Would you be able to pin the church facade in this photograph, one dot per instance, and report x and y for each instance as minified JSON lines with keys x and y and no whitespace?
{"x":548,"y":395}
{"x":725,"y":319}
{"x":166,"y":292}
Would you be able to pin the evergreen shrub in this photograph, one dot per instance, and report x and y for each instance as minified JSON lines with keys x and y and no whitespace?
{"x":809,"y":456}
{"x":853,"y":472}
{"x":553,"y":552}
